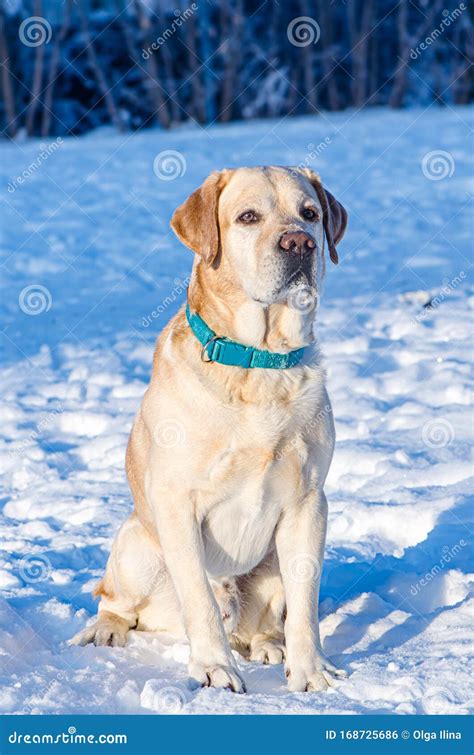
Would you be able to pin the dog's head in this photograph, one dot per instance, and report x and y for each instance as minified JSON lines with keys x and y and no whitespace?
{"x":264,"y":229}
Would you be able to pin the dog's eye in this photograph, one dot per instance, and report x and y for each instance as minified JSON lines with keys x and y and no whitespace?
{"x":249,"y":216}
{"x":309,"y":214}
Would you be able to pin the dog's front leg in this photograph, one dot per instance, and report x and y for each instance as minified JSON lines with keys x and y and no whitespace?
{"x":211,"y":661}
{"x":300,"y":539}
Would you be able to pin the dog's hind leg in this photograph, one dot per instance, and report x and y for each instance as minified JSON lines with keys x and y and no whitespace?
{"x":260,"y":633}
{"x":131,"y":575}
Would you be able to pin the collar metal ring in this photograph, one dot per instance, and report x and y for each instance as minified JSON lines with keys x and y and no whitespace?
{"x":203,"y":350}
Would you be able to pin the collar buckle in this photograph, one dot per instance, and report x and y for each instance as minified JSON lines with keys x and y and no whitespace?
{"x":227,"y":352}
{"x":205,"y":351}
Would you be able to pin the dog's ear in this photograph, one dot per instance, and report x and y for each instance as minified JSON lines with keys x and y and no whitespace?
{"x":195,"y":222}
{"x":334,"y":214}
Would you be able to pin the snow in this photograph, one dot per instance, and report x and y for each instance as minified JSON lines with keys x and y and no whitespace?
{"x":90,"y":227}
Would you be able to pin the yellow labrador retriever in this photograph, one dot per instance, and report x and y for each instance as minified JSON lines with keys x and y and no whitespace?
{"x":230,"y":449}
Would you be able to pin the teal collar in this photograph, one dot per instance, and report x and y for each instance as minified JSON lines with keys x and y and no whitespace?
{"x":223,"y":350}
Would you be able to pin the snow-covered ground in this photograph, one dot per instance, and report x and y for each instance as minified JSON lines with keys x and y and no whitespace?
{"x":89,"y":224}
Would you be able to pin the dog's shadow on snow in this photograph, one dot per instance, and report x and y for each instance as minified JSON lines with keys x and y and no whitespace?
{"x":394,"y":599}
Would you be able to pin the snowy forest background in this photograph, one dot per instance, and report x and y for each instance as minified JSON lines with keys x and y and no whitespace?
{"x":141,"y":63}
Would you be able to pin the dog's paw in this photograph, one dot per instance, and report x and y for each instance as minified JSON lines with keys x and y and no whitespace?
{"x":111,"y":632}
{"x":267,"y":651}
{"x":315,"y":676}
{"x":216,"y":676}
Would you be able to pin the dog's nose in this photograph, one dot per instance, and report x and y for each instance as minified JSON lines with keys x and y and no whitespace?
{"x":297,"y":242}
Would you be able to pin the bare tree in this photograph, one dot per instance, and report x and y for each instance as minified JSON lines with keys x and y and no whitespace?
{"x":400,"y":80}
{"x":7,"y":89}
{"x":359,"y":39}
{"x":291,"y":99}
{"x":102,"y":83}
{"x":53,"y":70}
{"x":37,"y":76}
{"x":197,"y":92}
{"x":309,"y":78}
{"x":132,"y":96}
{"x":463,"y":74}
{"x":203,"y":22}
{"x":231,"y":35}
{"x":405,"y":43}
{"x":167,"y":60}
{"x":155,"y":91}
{"x":126,"y":30}
{"x":329,"y":64}
{"x":375,"y":52}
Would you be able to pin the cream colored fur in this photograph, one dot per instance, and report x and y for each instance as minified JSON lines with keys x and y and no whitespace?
{"x":227,"y":465}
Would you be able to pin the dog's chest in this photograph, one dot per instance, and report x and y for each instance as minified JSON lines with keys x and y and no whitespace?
{"x":251,"y":480}
{"x":237,"y":532}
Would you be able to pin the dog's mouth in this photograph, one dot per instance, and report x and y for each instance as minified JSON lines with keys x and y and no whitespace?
{"x":286,"y":277}
{"x":298,"y":280}
{"x":299,"y":277}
